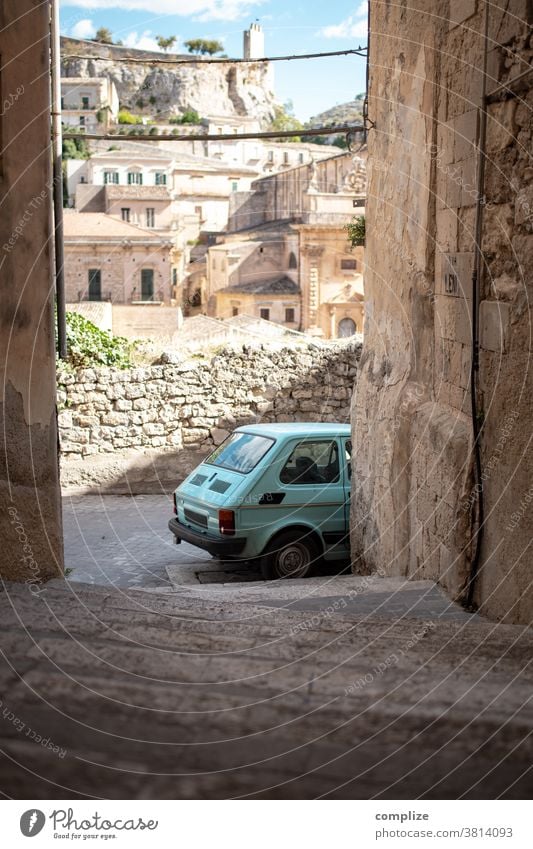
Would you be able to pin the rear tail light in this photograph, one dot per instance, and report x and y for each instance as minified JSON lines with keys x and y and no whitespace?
{"x":175,"y":505}
{"x":226,"y":522}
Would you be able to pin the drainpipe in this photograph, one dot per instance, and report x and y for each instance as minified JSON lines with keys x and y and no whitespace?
{"x":477,"y":273}
{"x":57,"y":146}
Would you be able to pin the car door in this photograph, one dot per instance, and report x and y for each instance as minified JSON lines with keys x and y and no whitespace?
{"x":313,"y":480}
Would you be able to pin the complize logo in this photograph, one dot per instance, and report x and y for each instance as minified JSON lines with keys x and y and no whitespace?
{"x":32,"y":822}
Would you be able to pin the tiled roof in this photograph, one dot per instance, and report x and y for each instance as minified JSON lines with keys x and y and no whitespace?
{"x":97,"y":225}
{"x":273,"y":286}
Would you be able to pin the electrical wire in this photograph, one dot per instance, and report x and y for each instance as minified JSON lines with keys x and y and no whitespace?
{"x":359,"y":51}
{"x":271,"y":134}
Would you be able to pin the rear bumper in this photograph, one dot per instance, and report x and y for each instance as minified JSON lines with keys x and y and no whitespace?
{"x":218,"y":547}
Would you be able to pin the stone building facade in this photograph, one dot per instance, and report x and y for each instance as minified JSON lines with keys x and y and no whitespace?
{"x":110,"y":260}
{"x":30,"y":509}
{"x":416,"y":484}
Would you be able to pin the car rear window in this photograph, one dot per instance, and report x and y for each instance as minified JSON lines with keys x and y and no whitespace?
{"x":240,"y":452}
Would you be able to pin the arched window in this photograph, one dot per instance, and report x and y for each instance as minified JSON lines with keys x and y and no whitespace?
{"x":347,"y":327}
{"x":293,"y":262}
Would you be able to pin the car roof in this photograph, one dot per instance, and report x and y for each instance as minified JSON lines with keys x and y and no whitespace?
{"x":297,"y":429}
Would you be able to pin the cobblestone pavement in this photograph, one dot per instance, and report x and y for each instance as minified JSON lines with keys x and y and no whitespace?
{"x":339,"y":686}
{"x":124,"y":541}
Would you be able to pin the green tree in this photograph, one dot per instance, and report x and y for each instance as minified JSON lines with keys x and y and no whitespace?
{"x":356,"y":231}
{"x":103,"y":35}
{"x":204,"y":46}
{"x":284,"y":120}
{"x":166,"y":44}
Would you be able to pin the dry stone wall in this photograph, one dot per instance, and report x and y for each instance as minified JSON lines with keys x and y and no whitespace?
{"x":112,"y":421}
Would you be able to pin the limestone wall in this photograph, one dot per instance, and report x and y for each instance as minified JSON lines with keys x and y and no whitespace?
{"x":414,"y":502}
{"x":146,"y":426}
{"x":30,"y":512}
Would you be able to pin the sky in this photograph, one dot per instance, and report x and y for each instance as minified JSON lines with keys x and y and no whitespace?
{"x":312,"y":85}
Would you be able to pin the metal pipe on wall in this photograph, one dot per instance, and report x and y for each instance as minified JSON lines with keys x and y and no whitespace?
{"x":57,"y":170}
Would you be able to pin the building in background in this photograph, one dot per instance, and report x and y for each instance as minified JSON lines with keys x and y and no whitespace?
{"x":89,"y":104}
{"x":289,"y":231}
{"x":111,"y":260}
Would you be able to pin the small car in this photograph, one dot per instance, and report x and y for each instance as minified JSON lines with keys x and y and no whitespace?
{"x":274,"y":493}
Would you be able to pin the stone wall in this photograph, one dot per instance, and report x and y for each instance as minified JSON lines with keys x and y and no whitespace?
{"x":146,"y":427}
{"x":415,"y":501}
{"x":30,"y":511}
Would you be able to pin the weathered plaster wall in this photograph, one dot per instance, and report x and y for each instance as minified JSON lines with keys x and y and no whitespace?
{"x":115,"y":425}
{"x":30,"y":518}
{"x":413,"y":498}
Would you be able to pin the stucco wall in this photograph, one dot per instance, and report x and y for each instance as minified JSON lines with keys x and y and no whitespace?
{"x":111,"y":420}
{"x":414,"y":503}
{"x":30,"y":517}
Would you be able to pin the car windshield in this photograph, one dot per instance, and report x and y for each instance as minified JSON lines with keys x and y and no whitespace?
{"x":241,"y":452}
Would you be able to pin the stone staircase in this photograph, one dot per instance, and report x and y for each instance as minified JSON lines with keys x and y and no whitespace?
{"x":261,"y":693}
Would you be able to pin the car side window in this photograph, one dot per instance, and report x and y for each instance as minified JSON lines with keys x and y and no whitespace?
{"x":312,"y":462}
{"x":348,"y":451}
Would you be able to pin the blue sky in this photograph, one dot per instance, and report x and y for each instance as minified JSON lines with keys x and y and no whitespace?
{"x":301,"y":27}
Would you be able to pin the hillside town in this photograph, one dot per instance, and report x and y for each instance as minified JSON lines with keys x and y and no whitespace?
{"x":249,"y":551}
{"x":159,"y":233}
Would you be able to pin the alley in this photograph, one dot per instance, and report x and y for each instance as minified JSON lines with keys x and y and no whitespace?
{"x":338,"y":686}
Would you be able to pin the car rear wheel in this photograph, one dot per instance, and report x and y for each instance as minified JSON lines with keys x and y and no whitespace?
{"x":293,"y":554}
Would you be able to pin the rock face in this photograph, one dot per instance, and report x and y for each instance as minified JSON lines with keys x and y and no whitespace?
{"x":210,"y":89}
{"x":193,"y":406}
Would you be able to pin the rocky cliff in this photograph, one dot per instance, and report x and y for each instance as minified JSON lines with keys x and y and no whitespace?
{"x":233,"y":90}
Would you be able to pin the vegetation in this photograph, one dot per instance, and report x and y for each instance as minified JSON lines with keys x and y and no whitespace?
{"x":356,"y":231}
{"x":166,"y":44}
{"x":103,"y":35}
{"x":204,"y":46}
{"x":285,"y":121}
{"x":190,"y":116}
{"x":88,"y":346}
{"x":125,"y":117}
{"x":75,"y":148}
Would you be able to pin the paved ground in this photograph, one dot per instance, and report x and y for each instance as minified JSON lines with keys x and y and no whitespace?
{"x":124,"y":541}
{"x":336,"y":686}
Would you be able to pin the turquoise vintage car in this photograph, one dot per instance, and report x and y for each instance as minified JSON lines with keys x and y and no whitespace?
{"x":279,"y":493}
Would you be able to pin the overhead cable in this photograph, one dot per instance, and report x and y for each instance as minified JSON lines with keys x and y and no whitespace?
{"x":359,"y":51}
{"x":272,"y":134}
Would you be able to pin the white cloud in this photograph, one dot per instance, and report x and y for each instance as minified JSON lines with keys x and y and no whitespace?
{"x":354,"y":26}
{"x":207,"y":10}
{"x":141,"y":41}
{"x":83,"y":29}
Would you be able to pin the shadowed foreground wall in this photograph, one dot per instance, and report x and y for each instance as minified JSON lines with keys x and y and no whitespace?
{"x":30,"y":518}
{"x":413,"y":499}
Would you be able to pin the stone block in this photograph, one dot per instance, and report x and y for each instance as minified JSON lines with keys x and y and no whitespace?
{"x":494,"y":325}
{"x":135,"y":390}
{"x":460,"y":11}
{"x":153,"y":429}
{"x":465,"y":133}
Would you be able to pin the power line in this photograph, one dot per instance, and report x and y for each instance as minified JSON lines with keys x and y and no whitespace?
{"x":273,"y":134}
{"x":359,"y":51}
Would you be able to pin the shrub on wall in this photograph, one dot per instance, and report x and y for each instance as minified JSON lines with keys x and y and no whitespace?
{"x":88,"y":346}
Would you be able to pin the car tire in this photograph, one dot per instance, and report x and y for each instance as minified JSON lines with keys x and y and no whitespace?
{"x":292,"y":554}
